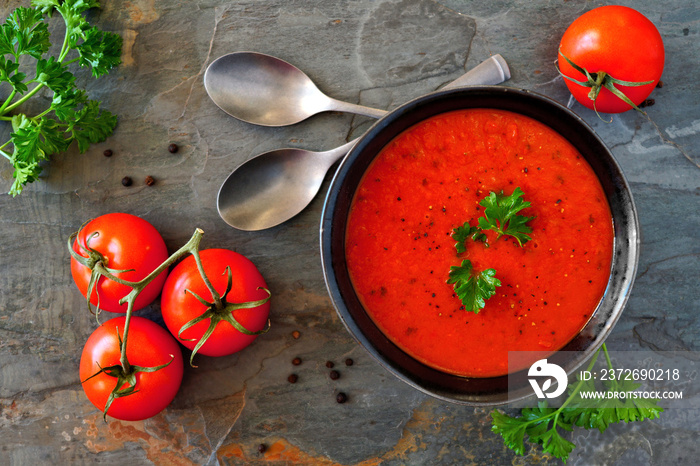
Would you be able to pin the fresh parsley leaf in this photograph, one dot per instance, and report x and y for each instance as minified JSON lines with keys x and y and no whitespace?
{"x":473,"y":289}
{"x":9,"y":73}
{"x":65,"y":104}
{"x":24,"y":33}
{"x":25,"y":172}
{"x":25,"y":157}
{"x":100,"y":50}
{"x":33,"y":142}
{"x":71,"y":116}
{"x":54,"y":75}
{"x":539,"y":424}
{"x":72,"y":6}
{"x":512,"y":429}
{"x":27,"y":142}
{"x":91,"y":125}
{"x":465,"y":232}
{"x":45,"y":6}
{"x":552,"y":441}
{"x":501,"y":215}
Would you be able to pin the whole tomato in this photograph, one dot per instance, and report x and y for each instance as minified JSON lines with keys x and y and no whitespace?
{"x":148,"y":346}
{"x":126,"y":242}
{"x":619,"y":42}
{"x":180,"y":306}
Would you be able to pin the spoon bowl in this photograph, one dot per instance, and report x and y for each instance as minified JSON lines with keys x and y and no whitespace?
{"x":264,"y":90}
{"x":274,"y":186}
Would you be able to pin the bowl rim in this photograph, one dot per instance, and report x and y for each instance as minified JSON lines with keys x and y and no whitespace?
{"x":626,"y":242}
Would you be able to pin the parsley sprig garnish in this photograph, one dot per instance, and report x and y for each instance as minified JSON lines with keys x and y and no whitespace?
{"x":500,"y":215}
{"x":543,"y":425}
{"x":473,"y":289}
{"x":464,"y":232}
{"x":70,"y":116}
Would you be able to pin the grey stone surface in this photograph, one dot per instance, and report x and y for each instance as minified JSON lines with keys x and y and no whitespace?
{"x":378,"y":53}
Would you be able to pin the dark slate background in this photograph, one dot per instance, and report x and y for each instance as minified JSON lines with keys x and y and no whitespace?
{"x":376,"y":53}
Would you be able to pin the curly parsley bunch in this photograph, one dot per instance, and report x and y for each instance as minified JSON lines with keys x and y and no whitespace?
{"x":71,"y":116}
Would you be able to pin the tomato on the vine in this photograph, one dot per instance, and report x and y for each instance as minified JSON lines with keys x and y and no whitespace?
{"x":128,"y":244}
{"x":619,"y":47}
{"x":148,"y":346}
{"x":245,"y":305}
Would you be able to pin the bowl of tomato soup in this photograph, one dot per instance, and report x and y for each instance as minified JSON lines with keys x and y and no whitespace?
{"x":389,"y":241}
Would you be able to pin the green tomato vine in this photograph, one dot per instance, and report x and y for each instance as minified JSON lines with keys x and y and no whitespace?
{"x":218,"y":310}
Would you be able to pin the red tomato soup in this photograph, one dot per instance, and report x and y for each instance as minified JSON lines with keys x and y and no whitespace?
{"x":429,"y":180}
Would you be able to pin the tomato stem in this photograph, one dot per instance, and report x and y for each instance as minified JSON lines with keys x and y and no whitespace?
{"x":123,"y":360}
{"x":191,"y":247}
{"x":599,"y":80}
{"x":222,"y":314}
{"x":218,"y":302}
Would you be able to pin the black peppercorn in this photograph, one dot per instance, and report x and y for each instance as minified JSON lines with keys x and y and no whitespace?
{"x":296,"y":361}
{"x":349,"y":362}
{"x":172,"y":148}
{"x":292,"y":378}
{"x":262,"y":448}
{"x":107,"y":153}
{"x":150,"y":181}
{"x":341,"y":397}
{"x":329,"y":364}
{"x":334,"y":375}
{"x":126,"y":181}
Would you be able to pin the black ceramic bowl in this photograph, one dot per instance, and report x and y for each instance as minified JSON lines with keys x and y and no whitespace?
{"x":477,"y":391}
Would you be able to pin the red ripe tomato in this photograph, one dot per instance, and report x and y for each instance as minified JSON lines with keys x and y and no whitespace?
{"x":179,"y":307}
{"x":127,"y":242}
{"x":148,"y":345}
{"x":620,"y":42}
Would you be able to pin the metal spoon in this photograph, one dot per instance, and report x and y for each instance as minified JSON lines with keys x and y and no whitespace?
{"x":273,"y":187}
{"x":265,"y":90}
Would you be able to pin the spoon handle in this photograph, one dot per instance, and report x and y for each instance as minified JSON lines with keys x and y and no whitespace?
{"x":493,"y":70}
{"x":340,"y":106}
{"x":333,"y":155}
